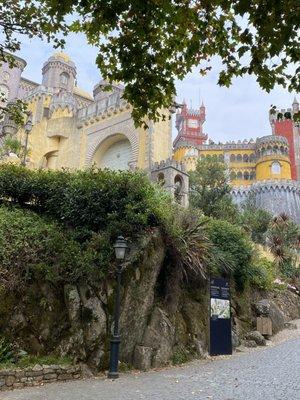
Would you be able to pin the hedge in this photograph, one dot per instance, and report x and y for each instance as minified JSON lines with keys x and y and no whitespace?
{"x":92,"y":199}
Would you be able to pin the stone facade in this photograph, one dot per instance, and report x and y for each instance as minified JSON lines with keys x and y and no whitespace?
{"x":73,"y":129}
{"x":277,"y":197}
{"x":173,"y":177}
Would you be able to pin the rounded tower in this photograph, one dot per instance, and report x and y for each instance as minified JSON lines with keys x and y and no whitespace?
{"x":10,"y":77}
{"x":272,"y":158}
{"x":59,"y":72}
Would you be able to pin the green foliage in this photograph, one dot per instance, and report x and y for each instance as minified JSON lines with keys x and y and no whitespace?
{"x":210,"y":190}
{"x":180,"y":356}
{"x":187,"y":240}
{"x":11,"y":145}
{"x":32,"y":247}
{"x":149,"y":44}
{"x":233,"y":251}
{"x":283,"y":240}
{"x":263,"y":273}
{"x":94,"y":200}
{"x":6,"y":351}
{"x":255,"y":221}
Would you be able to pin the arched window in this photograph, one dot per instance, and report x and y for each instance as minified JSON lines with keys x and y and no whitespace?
{"x":245,"y":158}
{"x":232,"y":157}
{"x":221,"y":157}
{"x":232,"y":175}
{"x":252,"y":175}
{"x":239,"y":175}
{"x":275,"y":168}
{"x":178,"y":188}
{"x":252,"y":157}
{"x":239,"y":158}
{"x":161,"y":179}
{"x":246,"y":175}
{"x":64,"y":78}
{"x":276,"y":149}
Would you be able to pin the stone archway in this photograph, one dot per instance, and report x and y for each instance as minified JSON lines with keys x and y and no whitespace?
{"x":101,"y":137}
{"x":114,"y":152}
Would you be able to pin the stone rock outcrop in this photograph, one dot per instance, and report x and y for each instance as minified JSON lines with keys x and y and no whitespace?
{"x":257,"y":337}
{"x":139,"y":295}
{"x":267,"y":308}
{"x":159,"y":336}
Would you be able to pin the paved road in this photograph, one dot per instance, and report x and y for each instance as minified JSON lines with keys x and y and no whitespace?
{"x":267,"y":374}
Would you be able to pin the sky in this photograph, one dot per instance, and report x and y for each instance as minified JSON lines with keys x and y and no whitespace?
{"x":235,"y":113}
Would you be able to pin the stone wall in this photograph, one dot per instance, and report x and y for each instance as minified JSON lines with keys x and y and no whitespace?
{"x":282,"y":196}
{"x":38,"y":375}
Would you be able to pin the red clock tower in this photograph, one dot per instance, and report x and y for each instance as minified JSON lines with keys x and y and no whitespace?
{"x":189,"y":123}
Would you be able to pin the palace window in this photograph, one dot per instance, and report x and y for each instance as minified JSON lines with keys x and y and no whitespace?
{"x":64,"y":78}
{"x":275,"y":168}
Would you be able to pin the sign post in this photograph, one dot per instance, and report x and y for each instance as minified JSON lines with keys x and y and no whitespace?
{"x":220,"y":317}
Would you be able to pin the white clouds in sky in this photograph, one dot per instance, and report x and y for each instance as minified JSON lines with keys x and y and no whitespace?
{"x":238,"y":112}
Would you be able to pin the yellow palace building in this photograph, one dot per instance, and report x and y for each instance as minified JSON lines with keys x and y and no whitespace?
{"x":75,"y":129}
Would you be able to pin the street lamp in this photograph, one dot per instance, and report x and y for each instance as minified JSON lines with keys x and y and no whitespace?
{"x":28,"y":128}
{"x":120,"y":247}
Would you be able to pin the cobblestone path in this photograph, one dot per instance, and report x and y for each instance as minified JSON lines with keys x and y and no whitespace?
{"x":267,"y":374}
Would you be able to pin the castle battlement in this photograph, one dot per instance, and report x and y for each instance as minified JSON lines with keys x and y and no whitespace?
{"x":112,"y":103}
{"x":169,"y":163}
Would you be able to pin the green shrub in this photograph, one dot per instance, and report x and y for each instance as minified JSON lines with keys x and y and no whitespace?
{"x":263,"y":274}
{"x":232,"y":252}
{"x":32,"y":247}
{"x":96,"y":200}
{"x":6,"y":351}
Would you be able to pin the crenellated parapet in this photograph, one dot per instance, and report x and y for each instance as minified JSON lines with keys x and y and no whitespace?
{"x":102,"y":109}
{"x":170,"y":162}
{"x":271,"y":140}
{"x":61,"y":101}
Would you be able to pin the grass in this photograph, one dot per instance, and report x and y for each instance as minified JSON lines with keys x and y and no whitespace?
{"x":30,"y":361}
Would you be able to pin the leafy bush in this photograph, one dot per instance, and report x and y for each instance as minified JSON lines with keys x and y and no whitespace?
{"x":233,"y":251}
{"x":283,"y":238}
{"x":256,"y":222}
{"x":6,"y":351}
{"x":95,"y":200}
{"x":210,"y":191}
{"x":32,"y":246}
{"x":263,"y":274}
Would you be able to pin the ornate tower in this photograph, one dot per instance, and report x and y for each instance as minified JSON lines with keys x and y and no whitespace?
{"x":189,"y":123}
{"x":285,"y":123}
{"x":59,"y":72}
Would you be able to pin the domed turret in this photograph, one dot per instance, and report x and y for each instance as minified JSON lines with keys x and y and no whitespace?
{"x":59,"y":72}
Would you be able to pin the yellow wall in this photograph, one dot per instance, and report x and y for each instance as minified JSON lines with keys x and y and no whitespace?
{"x":263,"y":168}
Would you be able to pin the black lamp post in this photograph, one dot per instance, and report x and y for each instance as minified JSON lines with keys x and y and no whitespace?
{"x":120,"y":251}
{"x":27,"y":127}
